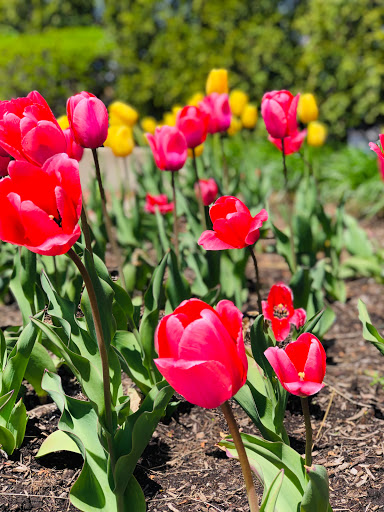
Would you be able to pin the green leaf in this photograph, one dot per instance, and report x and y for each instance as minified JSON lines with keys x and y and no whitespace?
{"x":7,"y":440}
{"x":316,"y":495}
{"x":17,"y":423}
{"x":23,"y":282}
{"x":270,"y":497}
{"x":356,"y":239}
{"x":283,"y":245}
{"x":300,"y":284}
{"x":370,"y":333}
{"x":177,"y":287}
{"x":39,"y":361}
{"x":56,"y":442}
{"x":260,"y":341}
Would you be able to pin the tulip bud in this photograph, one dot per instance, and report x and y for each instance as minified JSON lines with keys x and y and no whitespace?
{"x":74,"y":150}
{"x":208,"y":189}
{"x":217,"y":81}
{"x":193,"y":123}
{"x":217,"y":108}
{"x":279,"y":111}
{"x":237,"y":100}
{"x":88,"y":120}
{"x":169,"y":148}
{"x":120,"y":140}
{"x":148,"y":124}
{"x":159,"y":202}
{"x":249,"y":116}
{"x":169,"y":119}
{"x":317,"y":133}
{"x":127,"y":114}
{"x":307,"y":108}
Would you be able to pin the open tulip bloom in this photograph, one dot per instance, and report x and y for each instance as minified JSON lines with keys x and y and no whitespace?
{"x":169,"y":148}
{"x":160,"y":202}
{"x":280,"y":311}
{"x":379,"y":151}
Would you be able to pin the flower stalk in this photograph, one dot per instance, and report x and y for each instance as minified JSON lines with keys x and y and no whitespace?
{"x":290,"y":212}
{"x":175,"y":227}
{"x":200,"y":198}
{"x":257,"y":281}
{"x":308,"y":430}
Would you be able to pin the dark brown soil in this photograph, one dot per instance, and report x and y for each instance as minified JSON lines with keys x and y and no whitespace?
{"x":182,"y":470}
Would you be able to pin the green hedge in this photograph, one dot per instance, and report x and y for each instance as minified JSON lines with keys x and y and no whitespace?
{"x":333,"y":48}
{"x":56,"y":62}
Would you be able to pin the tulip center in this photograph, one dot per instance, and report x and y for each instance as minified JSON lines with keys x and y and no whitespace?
{"x":58,"y":221}
{"x":280,"y":311}
{"x":301,"y":375}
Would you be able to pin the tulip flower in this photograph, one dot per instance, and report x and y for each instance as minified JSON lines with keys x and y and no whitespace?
{"x":217,"y":108}
{"x":235,"y":126}
{"x":159,"y":202}
{"x":193,"y":123}
{"x":123,"y":113}
{"x":88,"y":120}
{"x":148,"y":124}
{"x":4,"y":162}
{"x":195,"y":99}
{"x":380,"y":154}
{"x":29,"y":130}
{"x":300,"y":367}
{"x":209,"y":190}
{"x":233,"y":225}
{"x":280,"y":311}
{"x":317,"y":134}
{"x":279,"y":111}
{"x":217,"y":81}
{"x":237,"y":100}
{"x":74,"y":150}
{"x":249,"y":116}
{"x":169,"y":148}
{"x":292,"y":143}
{"x":307,"y":108}
{"x":201,"y":351}
{"x":120,"y":140}
{"x":63,"y":122}
{"x":41,"y":206}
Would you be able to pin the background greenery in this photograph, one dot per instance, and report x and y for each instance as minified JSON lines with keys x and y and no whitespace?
{"x":155,"y":53}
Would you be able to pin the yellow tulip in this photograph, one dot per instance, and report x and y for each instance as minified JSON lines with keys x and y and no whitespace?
{"x":217,"y":81}
{"x":125,"y":112}
{"x":63,"y":122}
{"x":120,"y":140}
{"x":235,"y":126}
{"x":169,"y":118}
{"x":316,"y":133}
{"x":176,"y":109}
{"x":115,"y":120}
{"x":307,"y":108}
{"x":237,"y":101}
{"x":198,"y":151}
{"x":195,"y":99}
{"x":249,"y":116}
{"x":148,"y":124}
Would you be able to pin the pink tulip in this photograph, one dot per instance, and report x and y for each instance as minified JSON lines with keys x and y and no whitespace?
{"x":169,"y":148}
{"x":292,"y":143}
{"x":74,"y":150}
{"x":201,"y":351}
{"x":29,"y":130}
{"x":380,"y":154}
{"x":279,"y":111}
{"x":301,"y":367}
{"x":233,"y":225}
{"x":88,"y":120}
{"x":160,"y":202}
{"x":280,"y":311}
{"x":193,"y":123}
{"x":216,"y":106}
{"x":209,"y":190}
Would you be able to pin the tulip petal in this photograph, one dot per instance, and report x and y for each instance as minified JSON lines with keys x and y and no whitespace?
{"x":211,"y":242}
{"x":43,"y":141}
{"x":303,"y":388}
{"x":274,"y":118}
{"x":282,"y":365}
{"x":11,"y":227}
{"x":298,"y":318}
{"x":170,"y":331}
{"x":315,"y":365}
{"x":292,"y":115}
{"x":203,"y":383}
{"x":37,"y":223}
{"x":298,"y":350}
{"x":280,"y":328}
{"x":257,"y":221}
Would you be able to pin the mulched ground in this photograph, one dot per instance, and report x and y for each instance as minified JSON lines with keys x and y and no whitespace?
{"x":182,"y":470}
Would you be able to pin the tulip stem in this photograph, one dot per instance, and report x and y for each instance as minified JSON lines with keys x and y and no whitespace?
{"x":244,"y":462}
{"x":200,"y":198}
{"x":259,"y":304}
{"x":308,"y":431}
{"x":175,"y":228}
{"x":290,"y":212}
{"x":108,"y":224}
{"x":225,"y":167}
{"x":85,"y":228}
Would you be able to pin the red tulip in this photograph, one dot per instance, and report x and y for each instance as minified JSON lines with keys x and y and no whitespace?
{"x":4,"y":161}
{"x":233,"y":225}
{"x":160,"y":202}
{"x":74,"y":150}
{"x":201,"y":351}
{"x":379,"y":153}
{"x":41,"y":206}
{"x":280,"y":311}
{"x":88,"y":120}
{"x":216,"y":106}
{"x":209,"y":190}
{"x":292,"y":143}
{"x":29,"y":130}
{"x":193,"y":123}
{"x":279,"y":111}
{"x":169,"y":148}
{"x":301,"y":366}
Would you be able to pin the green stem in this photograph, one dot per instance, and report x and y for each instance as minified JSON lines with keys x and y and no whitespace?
{"x":259,"y":304}
{"x":200,"y":198}
{"x":290,"y":212}
{"x":85,"y":228}
{"x":244,"y":462}
{"x":175,"y":228}
{"x":308,"y":431}
{"x":225,"y":167}
{"x":108,"y":224}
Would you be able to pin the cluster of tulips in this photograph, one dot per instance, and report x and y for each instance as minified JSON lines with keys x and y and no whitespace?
{"x":198,"y":349}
